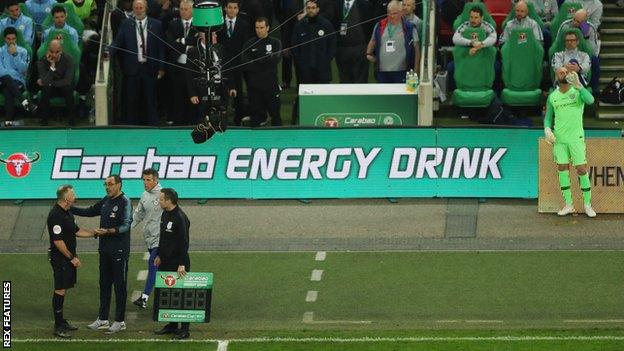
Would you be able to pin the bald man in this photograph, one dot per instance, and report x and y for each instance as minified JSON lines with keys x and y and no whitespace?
{"x":522,"y":20}
{"x":566,"y":105}
{"x":593,"y":8}
{"x":56,"y":78}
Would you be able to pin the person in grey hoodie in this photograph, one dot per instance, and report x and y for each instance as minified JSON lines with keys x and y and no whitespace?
{"x":149,"y":212}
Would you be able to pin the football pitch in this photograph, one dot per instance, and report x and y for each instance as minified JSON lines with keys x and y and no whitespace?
{"x":413,"y":300}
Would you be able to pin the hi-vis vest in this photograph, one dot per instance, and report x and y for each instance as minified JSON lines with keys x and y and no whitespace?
{"x":85,"y":10}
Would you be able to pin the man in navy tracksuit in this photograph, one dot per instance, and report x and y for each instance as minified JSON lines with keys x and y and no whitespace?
{"x":115,"y":211}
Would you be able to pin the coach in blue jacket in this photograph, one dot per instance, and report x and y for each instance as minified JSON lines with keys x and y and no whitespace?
{"x":115,"y":211}
{"x":139,"y":45}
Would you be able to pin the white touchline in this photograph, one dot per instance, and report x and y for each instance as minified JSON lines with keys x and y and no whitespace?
{"x":135,"y":295}
{"x":593,"y":321}
{"x":146,"y":256}
{"x":142,"y":275}
{"x":346,"y":340}
{"x":311,"y":296}
{"x":320,"y":256}
{"x":223,"y":345}
{"x":316,"y":275}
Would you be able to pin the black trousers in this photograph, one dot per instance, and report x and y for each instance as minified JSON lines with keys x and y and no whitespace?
{"x":11,"y":89}
{"x":286,"y":31}
{"x":262,"y":102}
{"x":141,"y":95}
{"x":352,"y":64}
{"x":184,"y":112}
{"x":113,"y":272}
{"x":239,"y":101}
{"x":47,"y":93}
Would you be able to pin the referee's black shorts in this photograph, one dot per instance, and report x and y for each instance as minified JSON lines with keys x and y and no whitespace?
{"x":64,"y":273}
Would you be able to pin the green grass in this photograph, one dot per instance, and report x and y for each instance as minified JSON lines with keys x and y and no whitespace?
{"x":403,"y":295}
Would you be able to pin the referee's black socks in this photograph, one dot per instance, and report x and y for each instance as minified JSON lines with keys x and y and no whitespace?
{"x":57,"y":308}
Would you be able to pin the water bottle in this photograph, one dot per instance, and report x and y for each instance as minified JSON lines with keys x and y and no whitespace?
{"x":414,"y":81}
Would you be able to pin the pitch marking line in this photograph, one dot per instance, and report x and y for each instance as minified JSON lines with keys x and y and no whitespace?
{"x":317,"y":274}
{"x":146,"y":256}
{"x":135,"y":295}
{"x":469,"y":321}
{"x":593,"y":321}
{"x":321,"y":255}
{"x":311,"y":296}
{"x":343,"y":340}
{"x":142,"y":275}
{"x":223,"y":345}
{"x":308,"y":318}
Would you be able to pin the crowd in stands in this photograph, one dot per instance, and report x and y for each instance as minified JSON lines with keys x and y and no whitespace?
{"x":565,"y":31}
{"x":52,"y":50}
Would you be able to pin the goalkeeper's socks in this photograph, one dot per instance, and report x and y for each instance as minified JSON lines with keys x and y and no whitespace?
{"x":57,"y":308}
{"x":145,"y":297}
{"x":564,"y":182}
{"x":586,"y":187}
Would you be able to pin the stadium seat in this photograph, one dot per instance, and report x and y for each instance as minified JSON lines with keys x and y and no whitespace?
{"x":474,"y":75}
{"x":566,"y":11}
{"x":465,"y":15}
{"x":499,"y":10}
{"x":70,"y":48}
{"x":559,"y":45}
{"x":522,"y":69}
{"x":24,"y":9}
{"x":532,"y":14}
{"x":72,"y":18}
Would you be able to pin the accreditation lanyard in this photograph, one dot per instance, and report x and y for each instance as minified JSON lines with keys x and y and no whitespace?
{"x":391,"y":30}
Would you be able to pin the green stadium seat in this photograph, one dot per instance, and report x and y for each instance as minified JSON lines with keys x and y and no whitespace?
{"x":532,"y":14}
{"x":72,"y":18}
{"x":24,"y":9}
{"x":566,"y":11}
{"x":474,"y":75}
{"x":69,"y":47}
{"x":522,"y":69}
{"x":559,"y":45}
{"x":465,"y":15}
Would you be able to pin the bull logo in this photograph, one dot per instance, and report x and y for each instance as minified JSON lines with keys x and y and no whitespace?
{"x":331,"y":122}
{"x":18,"y":164}
{"x":474,"y":36}
{"x":170,"y":280}
{"x":522,"y":38}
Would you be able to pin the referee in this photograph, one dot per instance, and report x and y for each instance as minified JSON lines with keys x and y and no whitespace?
{"x":567,"y":103}
{"x":173,"y":249}
{"x":63,"y":232}
{"x":115,"y":211}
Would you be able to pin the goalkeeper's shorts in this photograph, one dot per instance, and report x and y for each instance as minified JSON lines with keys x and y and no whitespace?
{"x":575,"y":151}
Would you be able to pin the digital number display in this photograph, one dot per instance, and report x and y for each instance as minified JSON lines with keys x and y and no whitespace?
{"x":182,"y":299}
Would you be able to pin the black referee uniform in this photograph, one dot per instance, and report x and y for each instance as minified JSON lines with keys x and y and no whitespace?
{"x":61,"y":226}
{"x":114,"y":251}
{"x":173,"y":247}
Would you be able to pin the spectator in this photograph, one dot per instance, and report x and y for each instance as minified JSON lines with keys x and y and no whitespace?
{"x":235,"y":33}
{"x":142,"y":53}
{"x":122,"y":12}
{"x":573,"y":59}
{"x":314,"y":47}
{"x":545,"y":9}
{"x":590,"y":34}
{"x":85,"y":9}
{"x":18,"y":20}
{"x":261,"y":55}
{"x":56,"y":77}
{"x":286,"y":11}
{"x":181,"y":30}
{"x":475,"y":21}
{"x":393,"y":46}
{"x":353,"y":36}
{"x":594,"y":10}
{"x":59,"y":14}
{"x":39,"y":10}
{"x":409,"y":6}
{"x":14,"y":61}
{"x":522,"y":20}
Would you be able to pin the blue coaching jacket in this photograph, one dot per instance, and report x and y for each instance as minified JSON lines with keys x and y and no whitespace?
{"x":114,"y":213}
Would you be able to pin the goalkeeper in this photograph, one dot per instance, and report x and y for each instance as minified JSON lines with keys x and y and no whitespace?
{"x":567,"y":103}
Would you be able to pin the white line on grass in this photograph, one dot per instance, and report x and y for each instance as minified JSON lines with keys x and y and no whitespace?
{"x":317,"y":274}
{"x":142,"y":275}
{"x":593,"y":320}
{"x":223,"y":345}
{"x":311,"y":296}
{"x":320,"y":256}
{"x":469,"y":321}
{"x":308,"y":318}
{"x":345,"y":340}
{"x":146,"y":256}
{"x":135,"y":295}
